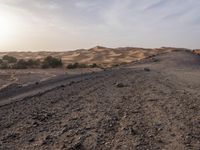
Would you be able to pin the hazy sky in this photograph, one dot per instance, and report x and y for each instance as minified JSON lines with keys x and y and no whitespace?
{"x":72,"y":24}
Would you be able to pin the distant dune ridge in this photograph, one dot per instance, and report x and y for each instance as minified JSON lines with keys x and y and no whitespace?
{"x":197,"y":51}
{"x":103,"y":56}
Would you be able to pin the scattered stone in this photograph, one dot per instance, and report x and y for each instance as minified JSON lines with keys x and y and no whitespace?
{"x":48,"y":140}
{"x":65,"y":129}
{"x":77,"y":146}
{"x":130,"y":131}
{"x":147,"y":69}
{"x":152,"y":99}
{"x":32,"y":139}
{"x":11,"y":136}
{"x":192,"y":107}
{"x":72,"y":82}
{"x":160,"y":141}
{"x":44,"y":116}
{"x":35,"y":124}
{"x":8,"y":125}
{"x":54,"y":101}
{"x":173,"y":134}
{"x":62,"y":85}
{"x":120,"y":85}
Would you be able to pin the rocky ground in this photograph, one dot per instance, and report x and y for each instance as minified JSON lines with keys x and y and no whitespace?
{"x":152,"y":104}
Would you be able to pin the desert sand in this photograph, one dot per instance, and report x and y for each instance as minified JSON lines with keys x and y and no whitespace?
{"x":197,"y":51}
{"x":103,"y":56}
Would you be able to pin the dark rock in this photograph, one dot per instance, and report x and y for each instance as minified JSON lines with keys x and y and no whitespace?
{"x":62,"y":85}
{"x":44,"y":116}
{"x":72,"y":82}
{"x":65,"y":129}
{"x":48,"y":140}
{"x":147,"y":69}
{"x":173,"y":134}
{"x":160,"y":141}
{"x":152,"y":99}
{"x":35,"y":124}
{"x":77,"y":146}
{"x":10,"y":136}
{"x":32,"y":139}
{"x":155,"y":60}
{"x":120,"y":85}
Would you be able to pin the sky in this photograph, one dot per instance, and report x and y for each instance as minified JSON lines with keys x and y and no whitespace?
{"x":59,"y":25}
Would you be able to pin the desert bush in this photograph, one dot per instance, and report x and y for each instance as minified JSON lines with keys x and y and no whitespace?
{"x":76,"y":65}
{"x":70,"y":66}
{"x":51,"y":62}
{"x":1,"y":61}
{"x":4,"y":65}
{"x":10,"y":59}
{"x":94,"y":65}
{"x":115,"y":65}
{"x":33,"y":63}
{"x":80,"y":65}
{"x":21,"y":64}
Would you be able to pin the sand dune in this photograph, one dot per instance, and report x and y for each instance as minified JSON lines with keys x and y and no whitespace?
{"x":103,"y":56}
{"x":197,"y":51}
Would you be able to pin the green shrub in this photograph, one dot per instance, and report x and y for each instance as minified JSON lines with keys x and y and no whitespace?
{"x":10,"y":59}
{"x":70,"y":66}
{"x":79,"y":65}
{"x":1,"y":61}
{"x":51,"y":62}
{"x":33,"y":63}
{"x":76,"y":65}
{"x":21,"y":64}
{"x":4,"y":65}
{"x":94,"y":65}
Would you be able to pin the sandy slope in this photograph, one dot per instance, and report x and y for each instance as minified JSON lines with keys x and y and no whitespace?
{"x":127,"y":107}
{"x":197,"y":51}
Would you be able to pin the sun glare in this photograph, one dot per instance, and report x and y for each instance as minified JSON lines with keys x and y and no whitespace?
{"x":8,"y":26}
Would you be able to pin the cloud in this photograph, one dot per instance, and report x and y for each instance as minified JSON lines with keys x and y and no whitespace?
{"x":131,"y":22}
{"x":157,"y":5}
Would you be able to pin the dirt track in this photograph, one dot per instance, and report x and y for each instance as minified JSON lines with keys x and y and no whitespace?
{"x":127,"y":107}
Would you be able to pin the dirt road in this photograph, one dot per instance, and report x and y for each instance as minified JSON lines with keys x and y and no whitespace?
{"x":152,"y":104}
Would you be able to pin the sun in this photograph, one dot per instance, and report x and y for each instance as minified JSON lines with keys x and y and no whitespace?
{"x":8,"y":26}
